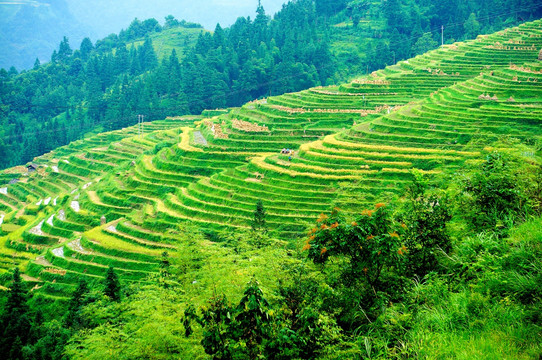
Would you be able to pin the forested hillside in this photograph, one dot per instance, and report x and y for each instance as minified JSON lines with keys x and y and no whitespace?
{"x":370,"y":35}
{"x":397,"y":215}
{"x":156,"y":71}
{"x":94,"y":86}
{"x":32,"y":29}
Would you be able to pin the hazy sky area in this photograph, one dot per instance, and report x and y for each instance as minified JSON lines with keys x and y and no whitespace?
{"x":31,"y":29}
{"x":106,"y":16}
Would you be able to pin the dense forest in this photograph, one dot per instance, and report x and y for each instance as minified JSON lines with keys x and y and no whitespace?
{"x":106,"y":84}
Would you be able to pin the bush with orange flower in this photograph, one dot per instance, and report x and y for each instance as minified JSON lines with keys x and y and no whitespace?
{"x":371,"y":243}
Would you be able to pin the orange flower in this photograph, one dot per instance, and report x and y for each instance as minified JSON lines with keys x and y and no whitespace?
{"x":336,"y":209}
{"x":394,"y":234}
{"x":322,"y":217}
{"x":379,"y":252}
{"x":400,"y":251}
{"x":354,"y":223}
{"x":367,"y":212}
{"x":334,"y":225}
{"x":379,"y":205}
{"x":324,"y":226}
{"x":311,"y":237}
{"x":370,"y":237}
{"x":306,"y":247}
{"x":365,"y":270}
{"x":403,"y":226}
{"x":324,"y":250}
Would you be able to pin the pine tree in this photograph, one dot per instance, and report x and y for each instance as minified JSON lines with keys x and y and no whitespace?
{"x":112,"y":285}
{"x":259,"y":217}
{"x":147,"y":55}
{"x":86,"y":48}
{"x":259,"y":26}
{"x":15,"y":323}
{"x":17,"y":295}
{"x":76,"y":302}
{"x":54,"y":57}
{"x":472,"y":27}
{"x":64,"y":50}
{"x":392,"y":11}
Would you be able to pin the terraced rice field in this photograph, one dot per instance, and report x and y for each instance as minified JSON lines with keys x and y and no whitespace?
{"x":418,"y":114}
{"x":121,"y":199}
{"x":48,"y":216}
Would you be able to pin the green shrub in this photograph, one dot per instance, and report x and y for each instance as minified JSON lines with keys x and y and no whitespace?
{"x":495,"y":199}
{"x":425,"y":217}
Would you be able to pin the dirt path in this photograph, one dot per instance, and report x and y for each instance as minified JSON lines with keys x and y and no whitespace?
{"x":76,"y":246}
{"x":36,"y":230}
{"x":113,"y":229}
{"x":40,"y":260}
{"x":199,"y":139}
{"x":75,"y":206}
{"x":7,"y":204}
{"x":58,"y":251}
{"x":185,"y":141}
{"x":29,"y":278}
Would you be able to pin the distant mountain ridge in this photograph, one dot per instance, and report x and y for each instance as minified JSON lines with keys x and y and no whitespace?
{"x":118,"y":14}
{"x":32,"y":29}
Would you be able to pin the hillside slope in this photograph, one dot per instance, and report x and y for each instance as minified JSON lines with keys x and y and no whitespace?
{"x":121,"y":198}
{"x":470,"y":97}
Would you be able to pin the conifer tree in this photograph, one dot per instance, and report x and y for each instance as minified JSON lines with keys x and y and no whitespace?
{"x":259,"y":217}
{"x":164,"y":269}
{"x":112,"y":285}
{"x":86,"y":48}
{"x":76,"y":302}
{"x":147,"y":55}
{"x":64,"y":49}
{"x":14,"y":323}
